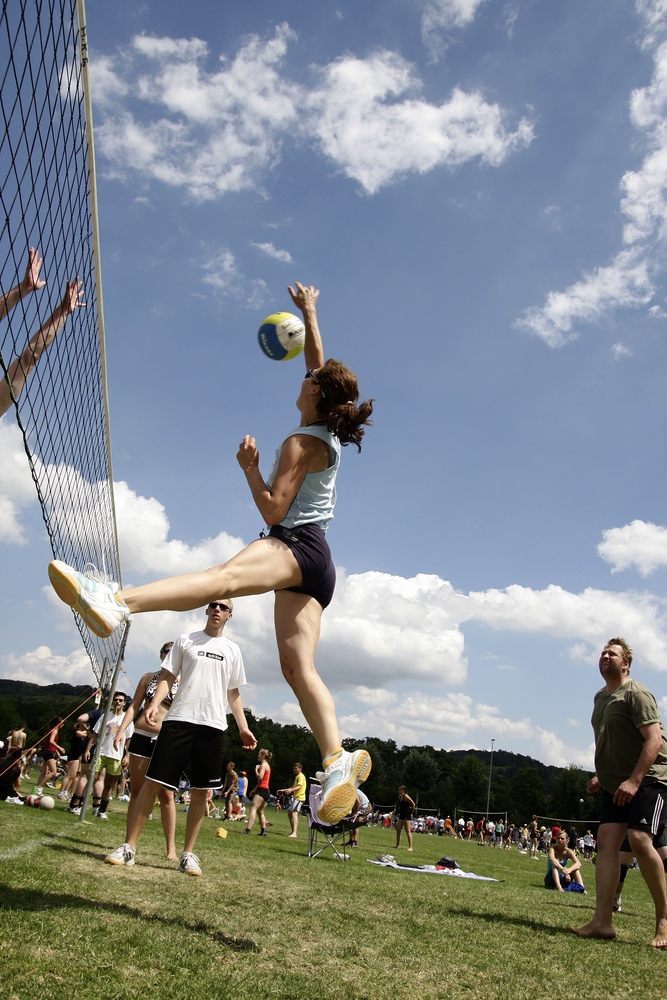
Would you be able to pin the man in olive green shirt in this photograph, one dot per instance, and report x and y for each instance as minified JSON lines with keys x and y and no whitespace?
{"x":631,"y":774}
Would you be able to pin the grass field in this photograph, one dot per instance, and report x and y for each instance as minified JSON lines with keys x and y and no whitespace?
{"x":265,"y":921}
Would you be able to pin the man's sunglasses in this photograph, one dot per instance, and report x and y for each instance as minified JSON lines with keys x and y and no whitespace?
{"x":223,"y":607}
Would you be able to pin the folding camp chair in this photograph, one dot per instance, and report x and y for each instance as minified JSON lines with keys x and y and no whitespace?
{"x":323,"y":835}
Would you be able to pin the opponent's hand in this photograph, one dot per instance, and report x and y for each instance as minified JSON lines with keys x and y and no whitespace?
{"x":625,"y":792}
{"x":247,"y":456}
{"x":248,"y":741}
{"x":72,"y":298}
{"x":31,"y":280}
{"x":304,"y":297}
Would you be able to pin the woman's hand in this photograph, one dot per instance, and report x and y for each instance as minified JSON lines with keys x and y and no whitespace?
{"x":304,"y":297}
{"x":247,"y":456}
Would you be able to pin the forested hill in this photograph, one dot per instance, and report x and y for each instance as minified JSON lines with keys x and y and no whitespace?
{"x":438,"y":779}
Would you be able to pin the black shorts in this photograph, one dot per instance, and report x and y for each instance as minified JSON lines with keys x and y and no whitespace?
{"x":263,"y":793}
{"x":186,"y":746}
{"x":658,"y":842}
{"x":646,"y":811}
{"x":50,"y":755}
{"x":142,"y":745}
{"x":311,"y":550}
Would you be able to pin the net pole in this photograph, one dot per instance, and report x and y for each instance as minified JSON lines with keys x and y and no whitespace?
{"x":97,"y":257}
{"x":103,"y":722}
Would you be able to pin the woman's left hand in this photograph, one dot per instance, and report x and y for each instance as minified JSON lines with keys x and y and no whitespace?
{"x":247,"y":456}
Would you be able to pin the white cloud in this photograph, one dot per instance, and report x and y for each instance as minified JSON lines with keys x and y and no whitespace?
{"x":442,"y":16}
{"x":223,"y":275}
{"x":421,"y":718}
{"x":41,"y":666}
{"x":619,"y":351}
{"x":268,"y":248}
{"x":640,"y":543}
{"x":105,"y":84}
{"x":17,"y":489}
{"x":628,"y":281}
{"x":218,"y":132}
{"x":375,"y":138}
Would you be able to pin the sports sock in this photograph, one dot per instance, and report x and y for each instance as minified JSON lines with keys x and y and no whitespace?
{"x":104,"y":805}
{"x":331,"y":758}
{"x":624,"y":872}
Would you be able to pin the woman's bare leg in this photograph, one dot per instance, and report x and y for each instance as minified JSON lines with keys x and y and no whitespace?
{"x":138,"y":768}
{"x":297,"y":620}
{"x":266,"y":564}
{"x":168,"y":814}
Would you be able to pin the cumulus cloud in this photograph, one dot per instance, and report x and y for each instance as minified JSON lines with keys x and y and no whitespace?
{"x":640,"y":543}
{"x":628,"y":281}
{"x":214,"y":132}
{"x":41,"y":666}
{"x":17,"y":489}
{"x":455,"y":719}
{"x":376,"y":138}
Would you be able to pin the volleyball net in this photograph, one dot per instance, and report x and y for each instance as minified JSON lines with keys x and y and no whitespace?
{"x":51,"y":345}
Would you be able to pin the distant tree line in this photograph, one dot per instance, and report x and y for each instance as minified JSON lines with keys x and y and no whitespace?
{"x":437,"y":779}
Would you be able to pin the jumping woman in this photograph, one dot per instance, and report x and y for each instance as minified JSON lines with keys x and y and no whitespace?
{"x":296,"y":502}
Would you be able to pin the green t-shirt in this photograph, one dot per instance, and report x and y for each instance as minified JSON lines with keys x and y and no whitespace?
{"x":299,"y":784}
{"x":618,"y":742}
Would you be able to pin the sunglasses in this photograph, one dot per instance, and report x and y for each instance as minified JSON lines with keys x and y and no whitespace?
{"x":167,"y":649}
{"x":223,"y":607}
{"x":311,"y":374}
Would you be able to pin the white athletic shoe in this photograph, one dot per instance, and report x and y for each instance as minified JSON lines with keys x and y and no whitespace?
{"x":123,"y":855}
{"x":15,"y":800}
{"x":340,"y":781}
{"x":76,"y":811}
{"x":92,"y":599}
{"x":62,"y":796}
{"x":189,"y":864}
{"x":102,"y":815}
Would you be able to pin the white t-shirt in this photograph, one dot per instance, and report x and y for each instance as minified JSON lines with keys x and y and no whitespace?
{"x":107,"y":748}
{"x":207,"y":666}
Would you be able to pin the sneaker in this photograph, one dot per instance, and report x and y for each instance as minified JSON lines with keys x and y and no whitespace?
{"x":353,"y":843}
{"x":37,"y":790}
{"x":150,"y":816}
{"x":189,"y":864}
{"x":617,"y":904}
{"x":76,"y":811}
{"x":123,"y":855}
{"x":340,"y":781}
{"x":247,"y":830}
{"x":93,"y":599}
{"x":15,"y":800}
{"x":102,"y":815}
{"x":262,"y":833}
{"x":62,"y":796}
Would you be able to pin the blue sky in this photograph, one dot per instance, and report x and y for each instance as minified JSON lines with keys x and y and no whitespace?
{"x":479,"y":190}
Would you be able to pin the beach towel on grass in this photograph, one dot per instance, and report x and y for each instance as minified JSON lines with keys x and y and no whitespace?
{"x":431,"y":870}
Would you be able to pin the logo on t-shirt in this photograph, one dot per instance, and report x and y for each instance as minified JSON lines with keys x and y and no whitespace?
{"x":211,"y":656}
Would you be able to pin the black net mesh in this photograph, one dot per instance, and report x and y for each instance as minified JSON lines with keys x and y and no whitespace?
{"x":45,"y":203}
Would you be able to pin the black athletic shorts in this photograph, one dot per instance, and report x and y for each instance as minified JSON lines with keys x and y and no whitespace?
{"x":311,"y":550}
{"x":263,"y":793}
{"x":186,"y":746}
{"x":50,"y":755}
{"x":645,"y":812}
{"x":142,"y":745}
{"x":658,"y":842}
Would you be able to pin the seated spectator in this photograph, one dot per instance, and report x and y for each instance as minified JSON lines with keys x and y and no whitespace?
{"x":10,"y":775}
{"x":558,"y":875}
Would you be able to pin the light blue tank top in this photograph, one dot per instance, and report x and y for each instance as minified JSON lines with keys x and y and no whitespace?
{"x":316,"y":498}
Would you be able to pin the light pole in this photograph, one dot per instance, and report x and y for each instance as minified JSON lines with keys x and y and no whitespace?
{"x":488,"y":797}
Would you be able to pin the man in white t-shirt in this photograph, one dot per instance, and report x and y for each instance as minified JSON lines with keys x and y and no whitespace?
{"x":111,"y":760}
{"x":210,"y":671}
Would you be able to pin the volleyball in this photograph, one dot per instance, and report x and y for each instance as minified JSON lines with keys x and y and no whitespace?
{"x":46,"y":802}
{"x":282,"y":336}
{"x":32,"y":800}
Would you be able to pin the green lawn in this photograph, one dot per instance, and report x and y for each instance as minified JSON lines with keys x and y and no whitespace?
{"x":265,"y":921}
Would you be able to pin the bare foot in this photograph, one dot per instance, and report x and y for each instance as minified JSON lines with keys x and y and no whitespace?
{"x":660,"y":939}
{"x":172,"y":857}
{"x":291,"y":836}
{"x":409,"y":850}
{"x":593,"y":930}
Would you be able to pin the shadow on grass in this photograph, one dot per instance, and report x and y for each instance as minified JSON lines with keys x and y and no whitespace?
{"x":100,"y":855}
{"x":527,"y":922}
{"x":36,"y":900}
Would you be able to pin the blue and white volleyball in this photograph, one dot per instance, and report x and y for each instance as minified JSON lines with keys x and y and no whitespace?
{"x":282,"y":336}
